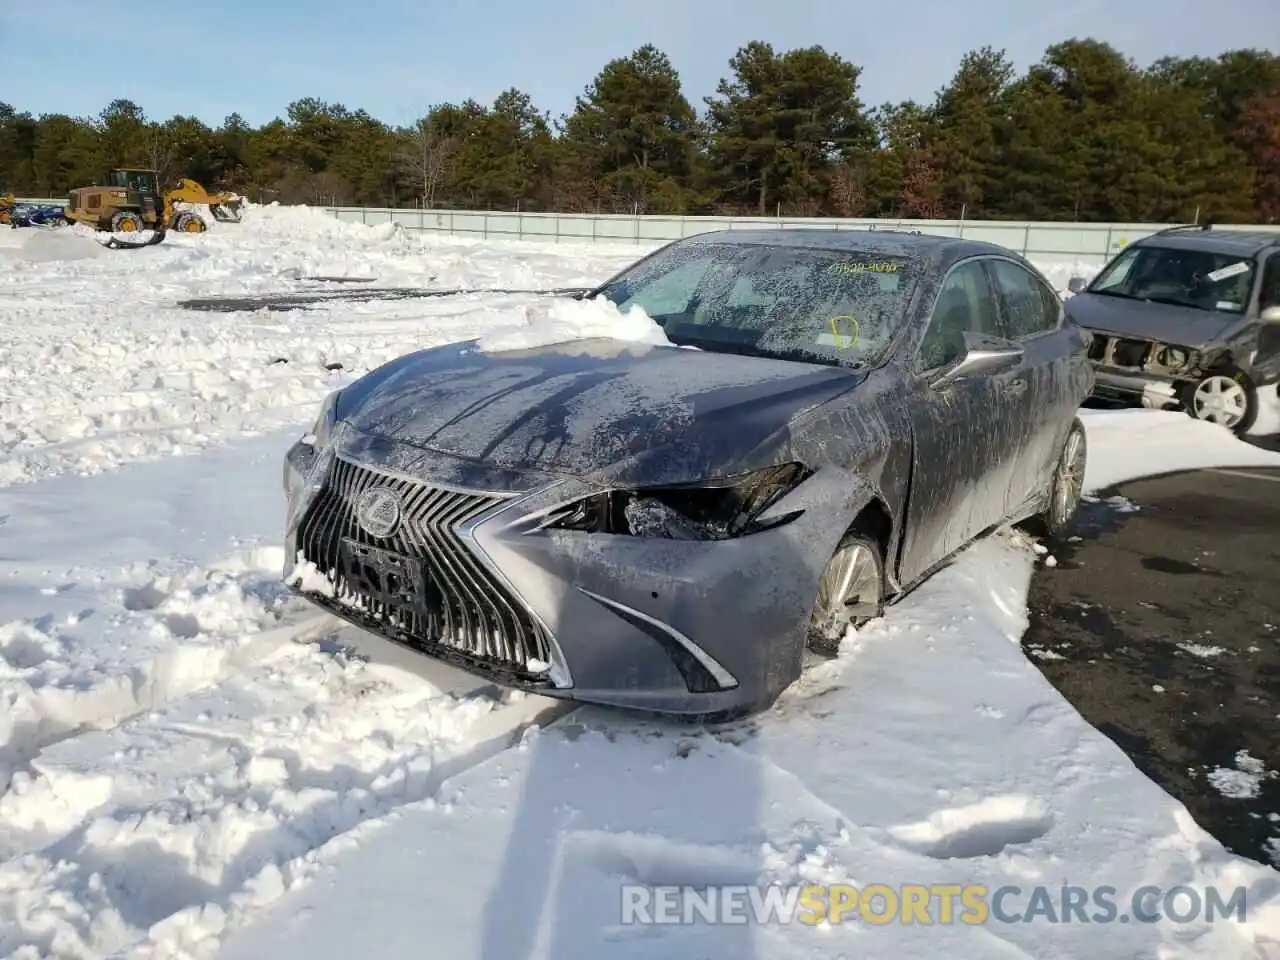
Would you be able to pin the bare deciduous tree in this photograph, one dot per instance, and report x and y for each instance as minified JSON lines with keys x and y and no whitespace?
{"x":160,"y":151}
{"x":433,"y":151}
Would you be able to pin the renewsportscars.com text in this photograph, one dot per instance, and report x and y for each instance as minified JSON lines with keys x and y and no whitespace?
{"x":927,"y":904}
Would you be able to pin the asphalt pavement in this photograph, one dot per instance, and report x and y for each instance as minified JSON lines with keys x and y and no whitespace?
{"x":1161,"y":624}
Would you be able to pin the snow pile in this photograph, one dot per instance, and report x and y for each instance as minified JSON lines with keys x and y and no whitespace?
{"x":47,"y":246}
{"x":1059,"y":272}
{"x":89,"y":381}
{"x":274,"y":247}
{"x":180,"y":769}
{"x":1201,"y":650}
{"x":561,"y":321}
{"x":1244,"y":781}
{"x":215,"y":801}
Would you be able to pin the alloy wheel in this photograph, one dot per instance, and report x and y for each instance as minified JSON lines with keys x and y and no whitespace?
{"x":850,"y":593}
{"x":1069,"y":483}
{"x":1220,"y":399}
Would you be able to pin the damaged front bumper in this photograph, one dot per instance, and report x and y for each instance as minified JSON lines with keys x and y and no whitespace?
{"x":1127,"y":368}
{"x":690,"y":627}
{"x":1154,"y":393}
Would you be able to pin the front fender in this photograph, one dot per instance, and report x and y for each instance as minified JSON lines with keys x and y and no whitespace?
{"x":868,"y":443}
{"x":835,"y":495}
{"x":1240,"y":346}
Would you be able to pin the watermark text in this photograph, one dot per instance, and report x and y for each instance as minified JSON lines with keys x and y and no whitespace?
{"x":927,"y":904}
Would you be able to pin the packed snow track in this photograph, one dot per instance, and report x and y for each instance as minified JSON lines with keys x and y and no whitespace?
{"x":193,"y":766}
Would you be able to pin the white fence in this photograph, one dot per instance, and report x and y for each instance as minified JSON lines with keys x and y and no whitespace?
{"x":1091,"y":243}
{"x":1085,"y":243}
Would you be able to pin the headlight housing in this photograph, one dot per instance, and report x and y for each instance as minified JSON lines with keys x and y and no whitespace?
{"x":1174,"y":358}
{"x":322,"y":430}
{"x":307,"y":464}
{"x":712,"y":510}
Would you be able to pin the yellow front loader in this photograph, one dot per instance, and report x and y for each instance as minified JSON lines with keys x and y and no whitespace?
{"x":6,"y":208}
{"x":129,"y":200}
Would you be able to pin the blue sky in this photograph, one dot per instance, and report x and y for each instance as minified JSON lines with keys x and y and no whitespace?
{"x":396,"y":57}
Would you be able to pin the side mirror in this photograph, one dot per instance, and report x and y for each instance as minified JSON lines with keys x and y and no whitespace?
{"x":983,"y":357}
{"x":1077,"y":284}
{"x":1270,"y":315}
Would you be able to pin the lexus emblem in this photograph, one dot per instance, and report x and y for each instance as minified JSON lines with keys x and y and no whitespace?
{"x":378,"y":512}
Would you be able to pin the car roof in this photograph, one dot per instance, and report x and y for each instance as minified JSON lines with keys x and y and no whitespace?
{"x":1232,"y":243}
{"x":887,"y":242}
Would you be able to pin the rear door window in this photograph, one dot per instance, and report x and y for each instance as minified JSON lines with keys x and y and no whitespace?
{"x":1030,"y":307}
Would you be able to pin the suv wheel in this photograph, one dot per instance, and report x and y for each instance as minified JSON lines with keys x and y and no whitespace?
{"x":1226,"y":397}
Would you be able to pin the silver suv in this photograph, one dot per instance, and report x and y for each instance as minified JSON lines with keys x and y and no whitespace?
{"x":1187,"y":318}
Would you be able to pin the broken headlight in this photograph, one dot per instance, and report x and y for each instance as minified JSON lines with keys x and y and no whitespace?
{"x":1173,"y":358}
{"x":712,"y":510}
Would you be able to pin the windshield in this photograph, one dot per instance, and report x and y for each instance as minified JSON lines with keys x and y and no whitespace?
{"x":140,"y":181}
{"x":839,"y":308}
{"x":1187,"y":278}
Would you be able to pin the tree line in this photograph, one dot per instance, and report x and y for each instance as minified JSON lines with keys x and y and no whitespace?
{"x":1085,"y":134}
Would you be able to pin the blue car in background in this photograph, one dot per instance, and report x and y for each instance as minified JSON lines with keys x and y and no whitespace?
{"x":37,"y":215}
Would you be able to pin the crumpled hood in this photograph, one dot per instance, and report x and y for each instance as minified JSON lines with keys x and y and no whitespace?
{"x":597,"y":409}
{"x":1179,"y":326}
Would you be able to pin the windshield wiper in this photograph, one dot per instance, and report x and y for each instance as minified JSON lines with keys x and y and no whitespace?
{"x":1168,"y":301}
{"x":738,"y":348}
{"x":711,"y":345}
{"x":1115,"y":293}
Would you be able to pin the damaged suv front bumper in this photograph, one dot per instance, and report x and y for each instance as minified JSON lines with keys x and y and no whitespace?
{"x":1128,"y":367}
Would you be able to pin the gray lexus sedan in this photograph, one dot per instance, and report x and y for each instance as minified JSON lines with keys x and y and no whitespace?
{"x":669,"y":529}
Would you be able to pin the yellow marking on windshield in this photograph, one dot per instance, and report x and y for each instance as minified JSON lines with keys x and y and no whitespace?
{"x":862,"y":267}
{"x":845,"y":341}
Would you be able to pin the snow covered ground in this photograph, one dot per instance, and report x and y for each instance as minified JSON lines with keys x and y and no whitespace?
{"x":186,"y":780}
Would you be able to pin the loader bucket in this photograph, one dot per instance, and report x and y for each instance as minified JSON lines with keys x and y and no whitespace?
{"x":157,"y":236}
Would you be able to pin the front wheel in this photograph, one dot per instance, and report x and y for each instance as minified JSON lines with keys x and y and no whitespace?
{"x":126,"y":221}
{"x":1066,"y":487}
{"x":850,"y":593}
{"x":1226,"y":397}
{"x":188,"y":222}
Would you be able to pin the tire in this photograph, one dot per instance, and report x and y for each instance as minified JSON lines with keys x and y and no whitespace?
{"x":829,"y":622}
{"x":188,"y":222}
{"x":126,"y":221}
{"x":1240,"y":410}
{"x":1066,"y":486}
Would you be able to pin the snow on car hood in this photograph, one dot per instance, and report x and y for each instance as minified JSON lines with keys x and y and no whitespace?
{"x":593,"y":408}
{"x":1141,"y":319}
